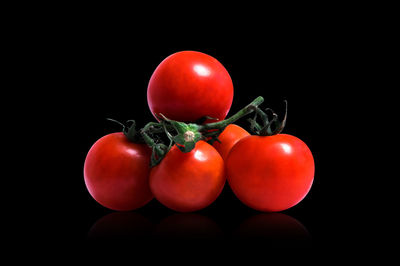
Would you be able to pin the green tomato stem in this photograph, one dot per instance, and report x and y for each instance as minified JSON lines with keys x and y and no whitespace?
{"x":243,"y":112}
{"x":189,"y":134}
{"x":267,"y":127}
{"x":129,"y":132}
{"x":185,"y":136}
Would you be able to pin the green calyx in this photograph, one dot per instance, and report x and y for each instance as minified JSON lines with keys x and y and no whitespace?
{"x":129,"y":131}
{"x":269,"y":126}
{"x":188,"y":134}
{"x":149,"y":136}
{"x":185,"y":135}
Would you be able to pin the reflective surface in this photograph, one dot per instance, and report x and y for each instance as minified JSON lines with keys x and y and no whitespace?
{"x":120,"y":225}
{"x":273,"y":229}
{"x":187,"y":226}
{"x":277,"y":228}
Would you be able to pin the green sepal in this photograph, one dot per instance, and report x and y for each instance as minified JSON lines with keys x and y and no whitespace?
{"x":158,"y":152}
{"x":181,"y":128}
{"x":188,"y":146}
{"x":268,"y":127}
{"x":179,"y":139}
{"x":130,"y":132}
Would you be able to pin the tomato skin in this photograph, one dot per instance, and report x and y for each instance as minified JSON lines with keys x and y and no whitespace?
{"x":270,"y":173}
{"x":116,"y":173}
{"x":229,"y":137}
{"x":187,"y":182}
{"x":189,"y":85}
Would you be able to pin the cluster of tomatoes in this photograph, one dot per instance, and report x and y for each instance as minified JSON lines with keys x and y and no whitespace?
{"x":267,"y":172}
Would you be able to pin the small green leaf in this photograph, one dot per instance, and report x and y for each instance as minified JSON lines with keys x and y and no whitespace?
{"x":254,"y":126}
{"x":180,"y":127}
{"x":179,"y":139}
{"x":189,"y":146}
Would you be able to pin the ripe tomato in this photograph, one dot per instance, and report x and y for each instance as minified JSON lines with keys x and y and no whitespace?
{"x":116,"y":173}
{"x":190,"y":181}
{"x":270,"y":173}
{"x":231,"y":134}
{"x":188,"y":85}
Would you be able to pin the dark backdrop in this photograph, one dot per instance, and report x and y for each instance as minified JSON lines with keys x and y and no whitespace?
{"x":101,"y":72}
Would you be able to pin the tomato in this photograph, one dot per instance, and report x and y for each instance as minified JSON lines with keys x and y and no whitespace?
{"x":189,"y":85}
{"x":231,"y":134}
{"x":116,"y":173}
{"x":271,"y":173}
{"x":190,"y":181}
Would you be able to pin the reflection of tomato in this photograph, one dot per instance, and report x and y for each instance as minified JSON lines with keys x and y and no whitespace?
{"x":276,"y":229}
{"x":187,"y":226}
{"x":116,"y":173}
{"x":231,"y":134}
{"x":189,"y":85}
{"x":270,"y":173}
{"x":130,"y":226}
{"x":188,"y":181}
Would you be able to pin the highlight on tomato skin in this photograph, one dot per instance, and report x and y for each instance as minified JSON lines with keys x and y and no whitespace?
{"x":270,"y":173}
{"x":190,"y":94}
{"x":188,"y":182}
{"x":189,"y":85}
{"x":116,"y":173}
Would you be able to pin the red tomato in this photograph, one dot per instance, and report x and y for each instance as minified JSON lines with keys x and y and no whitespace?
{"x":116,"y":173}
{"x":231,"y":134}
{"x":270,"y":173}
{"x":188,"y":85}
{"x":190,"y":181}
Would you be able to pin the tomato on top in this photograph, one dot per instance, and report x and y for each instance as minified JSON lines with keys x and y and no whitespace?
{"x":188,"y":85}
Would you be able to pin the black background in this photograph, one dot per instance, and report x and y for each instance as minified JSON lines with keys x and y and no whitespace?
{"x":100,"y":69}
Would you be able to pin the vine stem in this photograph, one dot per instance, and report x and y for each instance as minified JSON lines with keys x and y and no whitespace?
{"x":244,"y":111}
{"x":186,"y":135}
{"x":159,"y":150}
{"x":268,"y":127}
{"x":189,"y":134}
{"x":152,"y":128}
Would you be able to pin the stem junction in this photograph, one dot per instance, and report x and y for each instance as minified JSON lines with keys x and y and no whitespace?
{"x":186,"y":135}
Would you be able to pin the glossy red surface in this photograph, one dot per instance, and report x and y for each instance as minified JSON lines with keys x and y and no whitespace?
{"x":190,"y":181}
{"x":270,"y":173}
{"x":188,"y":85}
{"x":116,"y":173}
